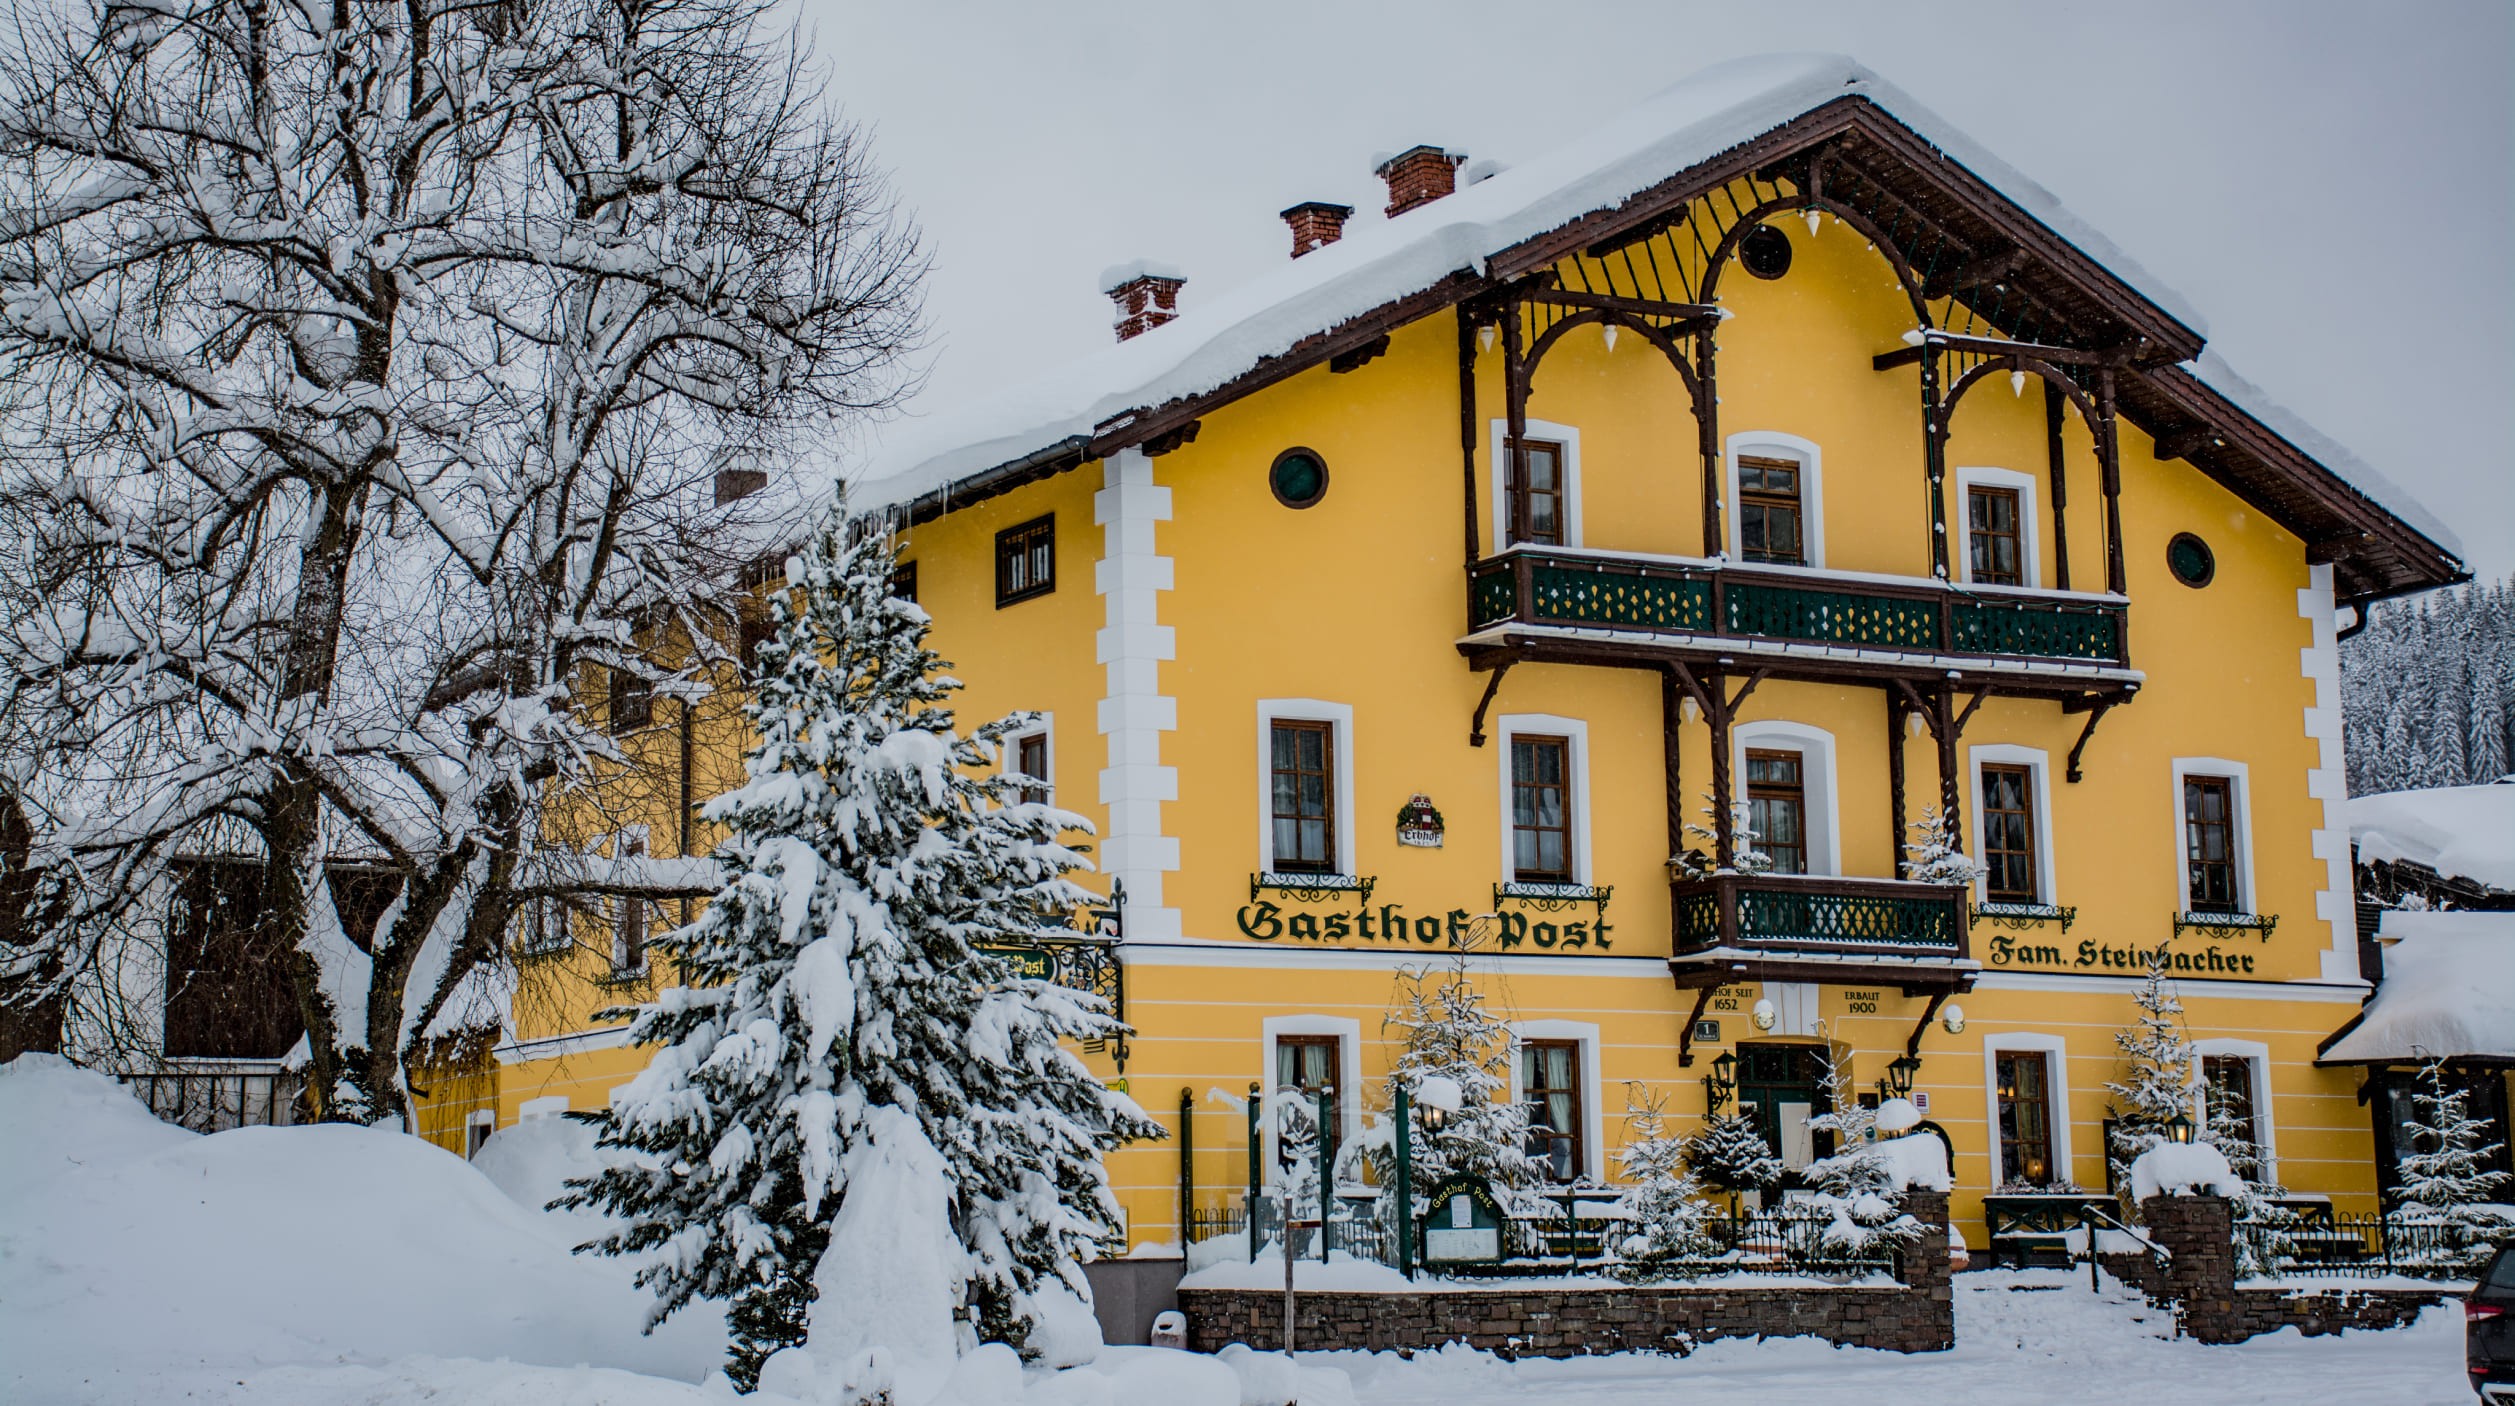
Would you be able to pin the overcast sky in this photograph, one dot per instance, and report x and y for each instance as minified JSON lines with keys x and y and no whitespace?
{"x":2329,"y":184}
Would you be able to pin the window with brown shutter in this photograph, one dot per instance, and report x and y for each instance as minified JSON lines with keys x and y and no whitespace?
{"x":1769,"y":511}
{"x":1537,"y":493}
{"x":1541,"y":810}
{"x":2209,"y":844}
{"x":1030,"y":759}
{"x":1302,"y":796}
{"x":1550,"y":1088}
{"x":1026,"y":560}
{"x":1994,"y":537}
{"x":2025,"y":1118}
{"x":2008,"y":835}
{"x":1777,"y":807}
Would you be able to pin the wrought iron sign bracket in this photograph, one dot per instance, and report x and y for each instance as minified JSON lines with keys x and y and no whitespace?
{"x":2262,"y":923}
{"x":1554,"y":898}
{"x":2019,"y":916}
{"x":1314,"y":888}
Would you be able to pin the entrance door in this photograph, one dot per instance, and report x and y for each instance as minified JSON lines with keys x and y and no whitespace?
{"x":1781,"y":1087}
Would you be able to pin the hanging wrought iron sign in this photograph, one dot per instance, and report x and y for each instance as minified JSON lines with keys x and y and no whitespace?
{"x":1419,"y":823}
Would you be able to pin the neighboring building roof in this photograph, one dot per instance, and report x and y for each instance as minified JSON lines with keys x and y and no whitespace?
{"x":2460,"y":832}
{"x":2448,"y":993}
{"x":1709,"y":128}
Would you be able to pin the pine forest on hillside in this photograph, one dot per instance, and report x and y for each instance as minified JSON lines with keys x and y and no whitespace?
{"x":2428,"y":691}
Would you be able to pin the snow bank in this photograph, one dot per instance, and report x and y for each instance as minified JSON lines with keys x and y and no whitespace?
{"x":1341,"y":1272}
{"x":532,"y":1162}
{"x":1916,"y":1160}
{"x":131,"y":1251}
{"x":2448,"y":991}
{"x":2182,"y":1169}
{"x":2463,"y":832}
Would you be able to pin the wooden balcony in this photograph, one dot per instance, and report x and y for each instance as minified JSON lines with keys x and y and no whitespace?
{"x":1799,"y":927}
{"x":1574,"y":605}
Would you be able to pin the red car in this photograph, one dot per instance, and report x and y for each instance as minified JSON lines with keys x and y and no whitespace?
{"x":2489,"y":1330}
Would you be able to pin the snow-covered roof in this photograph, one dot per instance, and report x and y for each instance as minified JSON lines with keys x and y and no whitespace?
{"x":1217,"y":339}
{"x":2461,"y":832}
{"x":2448,"y":992}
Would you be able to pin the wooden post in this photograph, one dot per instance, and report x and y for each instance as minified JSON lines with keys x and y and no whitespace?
{"x":1515,"y":414}
{"x":1943,"y":724}
{"x":2052,"y":399}
{"x":1467,"y":425}
{"x":1895,"y":777}
{"x":1724,"y":810}
{"x":2109,"y":454}
{"x":1934,"y":457}
{"x":1707,"y":432}
{"x":1672,"y":755}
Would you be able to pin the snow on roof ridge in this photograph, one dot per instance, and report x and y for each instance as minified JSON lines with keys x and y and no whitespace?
{"x":1681,"y":126}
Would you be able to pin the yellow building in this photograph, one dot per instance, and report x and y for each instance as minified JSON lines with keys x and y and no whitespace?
{"x":1775,"y":443}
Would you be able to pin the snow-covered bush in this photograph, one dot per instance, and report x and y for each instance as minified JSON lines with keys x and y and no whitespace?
{"x":1859,"y":1189}
{"x":1936,"y":854}
{"x":1664,"y":1208}
{"x":1730,"y":1154}
{"x":1449,"y":1033}
{"x":2449,"y":1190}
{"x":1745,"y":858}
{"x":2181,"y":1169}
{"x":838,"y":981}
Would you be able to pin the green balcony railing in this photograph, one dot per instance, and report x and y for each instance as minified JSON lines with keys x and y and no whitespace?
{"x":1536,"y":586}
{"x":1813,"y":914}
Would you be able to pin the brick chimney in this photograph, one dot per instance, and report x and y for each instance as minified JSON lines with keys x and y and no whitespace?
{"x":1315,"y":223}
{"x":1418,"y":176}
{"x":1147,"y":295}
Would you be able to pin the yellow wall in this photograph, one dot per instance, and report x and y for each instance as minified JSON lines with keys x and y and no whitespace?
{"x":1359,"y":600}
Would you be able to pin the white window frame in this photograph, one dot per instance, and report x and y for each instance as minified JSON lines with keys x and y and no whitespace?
{"x":478,"y":1118}
{"x":1273,"y":710}
{"x":1011,"y":757}
{"x":2056,"y":1058}
{"x":2029,"y":524}
{"x":2240,"y":777}
{"x":1816,"y":750}
{"x":2038,"y":762}
{"x":1773,"y":444}
{"x":2256,"y":1056}
{"x":1546,"y":725}
{"x":1593,"y":1117}
{"x":1348,"y":1033}
{"x":1500,"y":478}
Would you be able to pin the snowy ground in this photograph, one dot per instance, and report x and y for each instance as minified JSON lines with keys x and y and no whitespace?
{"x":343,"y":1267}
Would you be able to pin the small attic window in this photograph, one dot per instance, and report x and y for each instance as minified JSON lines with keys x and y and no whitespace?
{"x":1298,"y":478}
{"x":1765,"y":252}
{"x":2191,"y":560}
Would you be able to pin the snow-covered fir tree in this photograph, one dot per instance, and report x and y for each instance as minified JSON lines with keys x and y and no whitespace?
{"x":1448,"y":1031}
{"x":1701,"y":858}
{"x":2450,"y":1189}
{"x":1730,"y":1154}
{"x":839,"y":971}
{"x":2428,"y":691}
{"x":1857,"y":1193}
{"x":1935,"y":853}
{"x":1664,"y":1210}
{"x":2156,"y":1082}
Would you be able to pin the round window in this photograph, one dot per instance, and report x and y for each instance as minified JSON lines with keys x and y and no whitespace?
{"x":1765,"y":252}
{"x":2191,"y":560}
{"x":1299,"y":478}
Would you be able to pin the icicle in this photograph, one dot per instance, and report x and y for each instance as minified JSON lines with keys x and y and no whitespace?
{"x":1611,"y":336}
{"x":1484,"y":337}
{"x":2017,"y":383}
{"x":1814,"y":215}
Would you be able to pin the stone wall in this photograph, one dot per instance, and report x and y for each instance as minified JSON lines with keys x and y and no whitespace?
{"x":2200,"y":1282}
{"x":1531,"y":1318}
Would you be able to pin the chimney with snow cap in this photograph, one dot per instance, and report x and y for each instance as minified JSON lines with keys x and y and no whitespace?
{"x":1147,"y":295}
{"x":1315,"y":224}
{"x":1419,"y":175}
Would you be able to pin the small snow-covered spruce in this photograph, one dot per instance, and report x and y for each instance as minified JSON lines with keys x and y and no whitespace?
{"x":838,"y":973}
{"x":1745,"y":858}
{"x":1449,"y":1032}
{"x":2449,"y":1188}
{"x":1664,"y":1209}
{"x":1936,"y":854}
{"x":1858,"y":1192}
{"x":1730,"y":1154}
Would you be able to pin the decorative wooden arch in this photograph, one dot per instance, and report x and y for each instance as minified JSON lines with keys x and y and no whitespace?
{"x":1814,"y":199}
{"x":1609,"y":317}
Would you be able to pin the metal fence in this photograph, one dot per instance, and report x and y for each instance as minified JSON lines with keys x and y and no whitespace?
{"x":2362,"y":1247}
{"x":214,"y":1099}
{"x":1578,"y":1233}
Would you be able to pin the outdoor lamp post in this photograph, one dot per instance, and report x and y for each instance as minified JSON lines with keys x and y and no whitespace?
{"x":1721,"y":1082}
{"x":2179,"y":1128}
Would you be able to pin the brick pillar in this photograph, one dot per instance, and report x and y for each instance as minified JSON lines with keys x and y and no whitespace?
{"x":2200,"y":1279}
{"x":1926,"y":1271}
